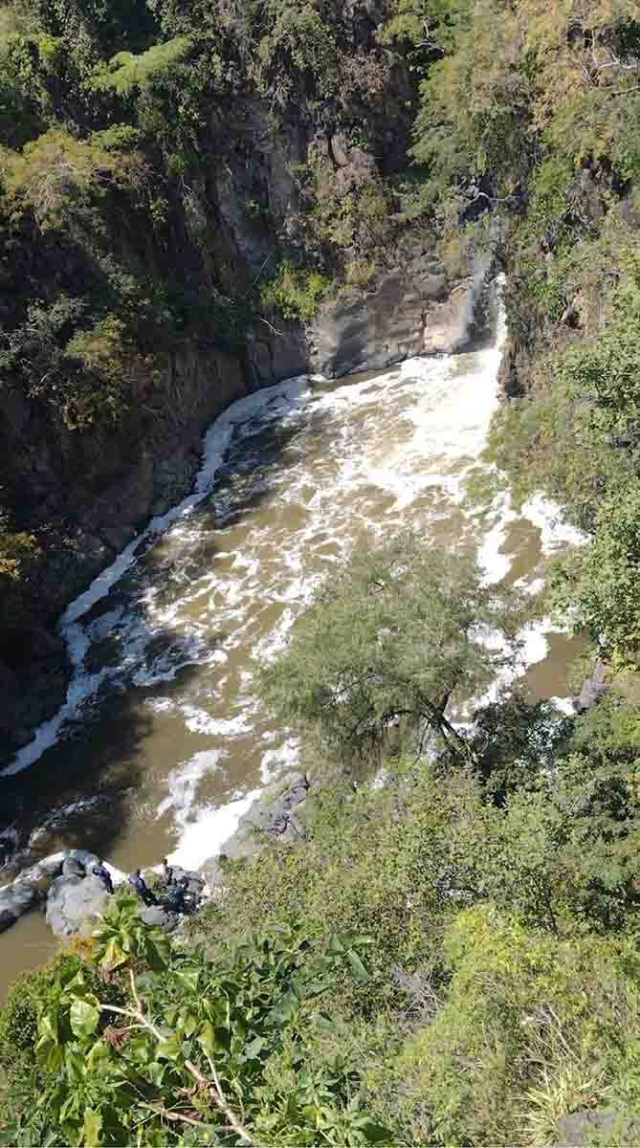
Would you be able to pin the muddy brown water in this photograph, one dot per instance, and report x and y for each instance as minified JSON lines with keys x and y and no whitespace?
{"x":163,"y":741}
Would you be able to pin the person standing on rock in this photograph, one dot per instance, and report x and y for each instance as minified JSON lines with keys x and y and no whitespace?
{"x":102,"y":873}
{"x":167,"y":873}
{"x":142,"y":889}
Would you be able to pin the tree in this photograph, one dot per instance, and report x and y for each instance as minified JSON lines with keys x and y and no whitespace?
{"x":392,"y":638}
{"x":597,"y":586}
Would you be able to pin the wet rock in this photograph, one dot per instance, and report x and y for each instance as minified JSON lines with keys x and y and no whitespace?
{"x":194,"y":881}
{"x":14,"y":901}
{"x":592,"y":1127}
{"x":413,"y":310}
{"x":28,"y":890}
{"x":84,"y":857}
{"x":72,"y":868}
{"x":74,"y":904}
{"x":7,"y":919}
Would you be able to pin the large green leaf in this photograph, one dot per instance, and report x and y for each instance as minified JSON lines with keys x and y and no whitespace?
{"x":113,"y":955}
{"x":357,"y":967}
{"x":84,"y":1016}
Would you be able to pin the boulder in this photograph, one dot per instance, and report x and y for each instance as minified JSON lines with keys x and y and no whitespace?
{"x":411,"y":310}
{"x":595,"y":686}
{"x":74,"y":903}
{"x":160,"y":917}
{"x":195,"y":882}
{"x":27,"y":890}
{"x":588,"y":1126}
{"x":73,"y":868}
{"x":84,"y":857}
{"x":274,"y":813}
{"x":15,"y":899}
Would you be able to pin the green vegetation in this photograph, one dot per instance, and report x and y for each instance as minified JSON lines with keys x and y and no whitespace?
{"x":451,"y":956}
{"x":139,"y":1042}
{"x":295,"y":293}
{"x":150,"y":206}
{"x":392,"y":640}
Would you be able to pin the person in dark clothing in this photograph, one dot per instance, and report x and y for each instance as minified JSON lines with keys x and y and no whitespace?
{"x":142,"y":889}
{"x":104,"y":875}
{"x":167,"y":873}
{"x":174,"y":901}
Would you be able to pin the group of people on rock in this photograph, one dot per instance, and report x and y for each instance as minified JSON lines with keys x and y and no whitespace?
{"x":178,"y":897}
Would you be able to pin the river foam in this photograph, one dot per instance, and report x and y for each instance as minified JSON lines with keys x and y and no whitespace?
{"x":292,"y":479}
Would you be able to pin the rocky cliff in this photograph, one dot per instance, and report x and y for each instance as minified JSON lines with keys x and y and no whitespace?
{"x":133,"y":260}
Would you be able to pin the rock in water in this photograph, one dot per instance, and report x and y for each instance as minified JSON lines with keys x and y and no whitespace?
{"x":14,"y":901}
{"x":74,"y":903}
{"x":594,"y":688}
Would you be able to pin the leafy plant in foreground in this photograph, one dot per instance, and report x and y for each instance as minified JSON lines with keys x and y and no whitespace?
{"x":184,"y":1059}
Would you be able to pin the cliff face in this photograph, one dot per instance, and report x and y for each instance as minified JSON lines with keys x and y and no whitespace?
{"x":166,"y":253}
{"x":89,"y":495}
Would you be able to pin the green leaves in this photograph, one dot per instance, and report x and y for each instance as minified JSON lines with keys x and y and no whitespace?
{"x":192,"y":1037}
{"x":84,"y":1016}
{"x":387,"y":642}
{"x":92,"y":1128}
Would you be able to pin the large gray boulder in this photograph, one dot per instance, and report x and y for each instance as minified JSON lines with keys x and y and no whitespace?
{"x":275,"y":813}
{"x":74,"y":903}
{"x":14,"y":901}
{"x":27,"y":890}
{"x":594,"y":688}
{"x":158,"y":916}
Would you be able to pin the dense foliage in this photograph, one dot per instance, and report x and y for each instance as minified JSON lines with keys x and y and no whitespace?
{"x":140,"y":1042}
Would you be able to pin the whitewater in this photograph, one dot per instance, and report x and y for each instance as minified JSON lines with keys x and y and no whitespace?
{"x":161,"y":743}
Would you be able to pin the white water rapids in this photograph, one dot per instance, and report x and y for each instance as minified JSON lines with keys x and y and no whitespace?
{"x":161,"y":743}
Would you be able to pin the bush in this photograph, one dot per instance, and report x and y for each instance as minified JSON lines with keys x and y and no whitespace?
{"x":126,"y":71}
{"x":295,"y":293}
{"x":532,"y":1030}
{"x":189,"y":1048}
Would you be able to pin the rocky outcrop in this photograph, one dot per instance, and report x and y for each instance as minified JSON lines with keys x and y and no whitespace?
{"x":75,"y":897}
{"x":594,"y":687}
{"x":278,"y":812}
{"x":96,"y":490}
{"x":589,"y":1126}
{"x":28,"y":890}
{"x":74,"y":904}
{"x":159,"y":917}
{"x":53,"y":880}
{"x":414,"y":310}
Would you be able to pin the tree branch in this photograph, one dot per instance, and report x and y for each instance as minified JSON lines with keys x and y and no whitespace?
{"x":218,"y":1097}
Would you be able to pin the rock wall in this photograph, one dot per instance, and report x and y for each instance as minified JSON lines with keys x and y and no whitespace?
{"x":413,"y":311}
{"x":96,"y":491}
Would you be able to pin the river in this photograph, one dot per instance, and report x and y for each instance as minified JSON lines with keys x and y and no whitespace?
{"x":162,"y":742}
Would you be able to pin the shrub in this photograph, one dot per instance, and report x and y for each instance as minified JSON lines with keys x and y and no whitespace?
{"x":126,"y":71}
{"x":187,"y":1047}
{"x":532,"y":1030}
{"x":296,"y":293}
{"x":57,"y":173}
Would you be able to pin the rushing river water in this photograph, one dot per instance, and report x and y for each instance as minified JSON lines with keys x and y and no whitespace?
{"x":162,"y":743}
